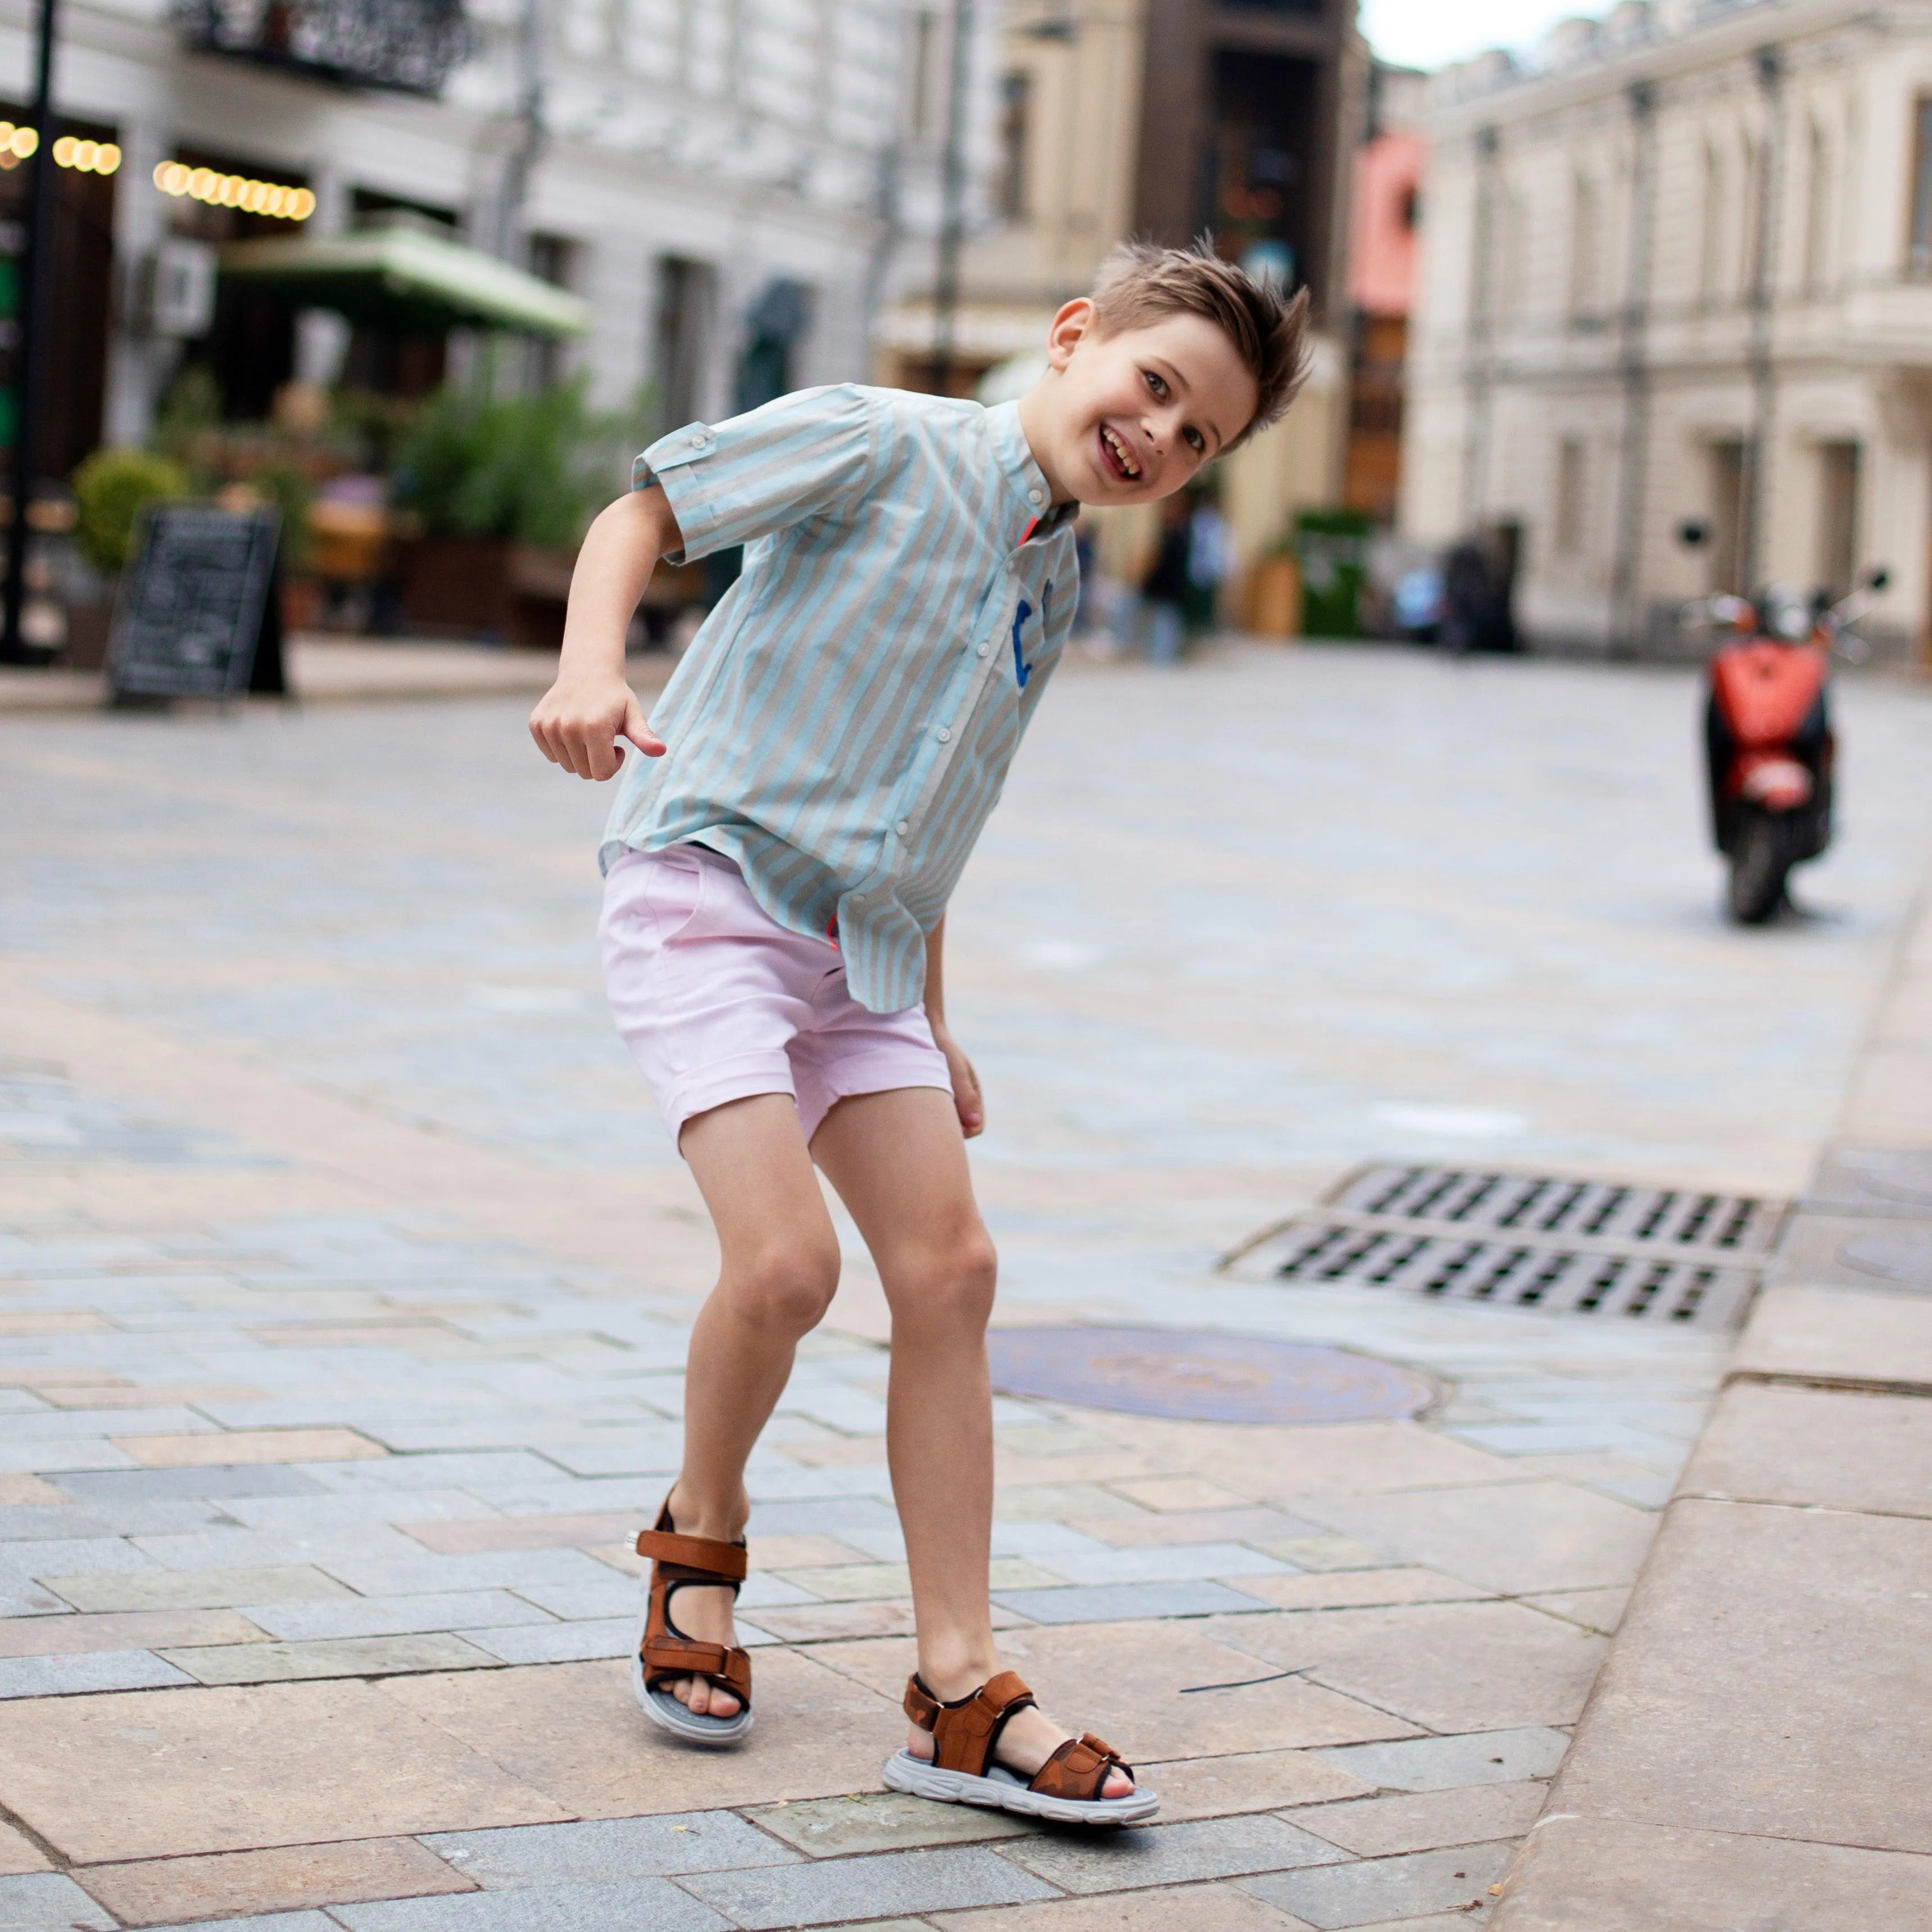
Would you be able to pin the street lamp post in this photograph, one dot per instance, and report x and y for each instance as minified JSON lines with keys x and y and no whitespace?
{"x":29,"y":373}
{"x":951,"y":200}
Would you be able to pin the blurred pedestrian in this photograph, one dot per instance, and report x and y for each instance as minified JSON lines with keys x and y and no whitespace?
{"x":1164,"y":590}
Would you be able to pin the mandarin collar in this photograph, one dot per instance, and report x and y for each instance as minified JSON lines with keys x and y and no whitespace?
{"x":1024,"y":476}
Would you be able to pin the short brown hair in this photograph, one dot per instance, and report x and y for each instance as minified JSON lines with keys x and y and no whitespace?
{"x":1141,"y":281}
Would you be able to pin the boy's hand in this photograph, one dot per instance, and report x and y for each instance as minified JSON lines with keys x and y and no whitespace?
{"x":966,"y":1095}
{"x":578,"y":721}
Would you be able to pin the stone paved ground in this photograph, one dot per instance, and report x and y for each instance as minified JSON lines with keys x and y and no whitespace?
{"x":344,"y":1274}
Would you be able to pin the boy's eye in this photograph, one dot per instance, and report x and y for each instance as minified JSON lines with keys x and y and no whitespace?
{"x":1195,"y":441}
{"x":1158,"y":384}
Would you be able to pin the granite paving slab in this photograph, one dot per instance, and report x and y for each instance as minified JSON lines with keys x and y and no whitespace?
{"x":882,"y":1821}
{"x":825,"y":1892}
{"x":1424,"y":1820}
{"x":1804,"y":1661}
{"x":638,"y":1902}
{"x":1441,"y":1764}
{"x":18,"y":1853}
{"x":161,"y":1891}
{"x":603,"y":1851}
{"x":1616,"y":1875}
{"x":1817,"y":1448}
{"x":76,"y":1675}
{"x":1809,"y":1334}
{"x":1170,"y":1854}
{"x":1374,"y":1890}
{"x":1163,"y":1908}
{"x":48,"y":1902}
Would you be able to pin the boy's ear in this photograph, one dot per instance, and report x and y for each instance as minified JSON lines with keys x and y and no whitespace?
{"x":1064,"y":334}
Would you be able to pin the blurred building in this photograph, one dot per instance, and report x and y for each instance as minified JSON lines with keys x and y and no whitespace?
{"x":707,"y":179}
{"x":1170,"y":119}
{"x":1383,"y":215}
{"x":1681,"y":273}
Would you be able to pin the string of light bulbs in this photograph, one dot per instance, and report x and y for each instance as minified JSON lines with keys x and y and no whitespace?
{"x":87,"y":157}
{"x":220,"y":191}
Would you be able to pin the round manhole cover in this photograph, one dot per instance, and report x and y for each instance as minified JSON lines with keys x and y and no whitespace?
{"x":1906,"y":1258}
{"x":1193,"y":1375}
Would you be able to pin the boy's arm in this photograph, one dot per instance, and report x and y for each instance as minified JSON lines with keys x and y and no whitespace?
{"x":966,"y":1095}
{"x":581,"y":717}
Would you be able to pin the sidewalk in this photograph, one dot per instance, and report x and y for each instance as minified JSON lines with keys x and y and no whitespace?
{"x":325,"y":670}
{"x":1755,"y":1749}
{"x":344,"y":1279}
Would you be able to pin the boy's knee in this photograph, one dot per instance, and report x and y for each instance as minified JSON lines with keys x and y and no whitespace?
{"x":788,"y":1290}
{"x":954,"y":1286}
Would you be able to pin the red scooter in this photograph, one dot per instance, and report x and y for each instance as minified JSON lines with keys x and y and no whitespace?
{"x":1768,"y":735}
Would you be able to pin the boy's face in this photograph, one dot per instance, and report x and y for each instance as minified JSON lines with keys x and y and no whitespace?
{"x":1130,"y":417}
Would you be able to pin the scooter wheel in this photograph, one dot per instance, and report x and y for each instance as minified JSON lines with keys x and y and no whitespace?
{"x":1759,"y":865}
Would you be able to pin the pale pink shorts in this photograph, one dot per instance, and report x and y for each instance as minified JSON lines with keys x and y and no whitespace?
{"x":717,"y":1001}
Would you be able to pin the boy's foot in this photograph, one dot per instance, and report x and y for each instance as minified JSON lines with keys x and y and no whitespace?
{"x":992,"y":1747}
{"x":689,"y":1681}
{"x":1028,"y":1739}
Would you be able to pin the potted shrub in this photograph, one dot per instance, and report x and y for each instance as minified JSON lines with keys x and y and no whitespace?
{"x":108,"y":490}
{"x":500,"y":489}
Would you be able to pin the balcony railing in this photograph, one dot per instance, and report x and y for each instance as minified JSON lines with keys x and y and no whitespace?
{"x":407,"y":45}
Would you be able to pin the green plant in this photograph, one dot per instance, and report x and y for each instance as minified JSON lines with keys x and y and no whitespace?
{"x":284,"y":484}
{"x":109,"y":488}
{"x":535,"y":467}
{"x":189,"y":418}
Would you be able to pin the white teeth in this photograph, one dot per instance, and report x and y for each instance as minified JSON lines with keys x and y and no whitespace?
{"x":1119,"y":448}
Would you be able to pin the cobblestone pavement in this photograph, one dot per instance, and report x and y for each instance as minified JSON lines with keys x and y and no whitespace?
{"x":344,"y":1274}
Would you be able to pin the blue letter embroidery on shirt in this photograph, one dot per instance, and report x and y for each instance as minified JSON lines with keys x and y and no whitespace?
{"x":1022,"y":671}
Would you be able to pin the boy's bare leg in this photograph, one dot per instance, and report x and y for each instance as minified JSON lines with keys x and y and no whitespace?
{"x":899,"y":1164}
{"x":779,"y":1268}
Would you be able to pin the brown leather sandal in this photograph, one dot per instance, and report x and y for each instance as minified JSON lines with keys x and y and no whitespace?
{"x":962,"y":1770}
{"x":664,"y":1653}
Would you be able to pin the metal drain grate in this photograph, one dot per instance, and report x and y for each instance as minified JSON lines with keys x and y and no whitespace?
{"x":1557,"y":1244}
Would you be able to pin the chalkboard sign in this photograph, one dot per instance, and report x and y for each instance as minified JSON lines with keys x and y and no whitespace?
{"x":197,"y":616}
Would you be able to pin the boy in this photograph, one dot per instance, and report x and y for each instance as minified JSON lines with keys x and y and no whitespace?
{"x":778,"y":865}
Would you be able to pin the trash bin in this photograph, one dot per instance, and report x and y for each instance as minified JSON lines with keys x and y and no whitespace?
{"x":1332,"y":548}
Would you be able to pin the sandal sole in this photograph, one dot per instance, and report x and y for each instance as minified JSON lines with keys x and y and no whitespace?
{"x":915,"y":1776}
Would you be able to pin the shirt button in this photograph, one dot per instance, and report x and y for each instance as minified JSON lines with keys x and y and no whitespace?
{"x":1036,"y":496}
{"x":942,"y":735}
{"x":699,"y":441}
{"x":904,"y":826}
{"x":985,"y":650}
{"x":858,"y":899}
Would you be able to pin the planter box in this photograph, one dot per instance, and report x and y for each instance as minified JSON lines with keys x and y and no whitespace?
{"x":486,"y":587}
{"x":1274,"y":598}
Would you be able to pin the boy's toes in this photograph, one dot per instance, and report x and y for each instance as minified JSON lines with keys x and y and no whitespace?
{"x":1117,"y":1785}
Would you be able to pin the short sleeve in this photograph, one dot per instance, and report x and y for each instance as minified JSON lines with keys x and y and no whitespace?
{"x":807,"y":455}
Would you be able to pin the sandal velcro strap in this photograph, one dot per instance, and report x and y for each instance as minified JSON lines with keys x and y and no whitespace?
{"x":725,"y":1561}
{"x":730,"y":1670}
{"x":964,"y":1734}
{"x":1079,"y":1768}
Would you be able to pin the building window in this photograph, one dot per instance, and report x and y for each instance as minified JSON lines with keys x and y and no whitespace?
{"x":1818,"y":212}
{"x":687,"y":306}
{"x":1919,"y":259}
{"x":1727,"y":517}
{"x":1016,"y":136}
{"x":1586,"y":244}
{"x":1569,"y":484}
{"x":1711,"y":265}
{"x":922,"y":79}
{"x":1837,"y":516}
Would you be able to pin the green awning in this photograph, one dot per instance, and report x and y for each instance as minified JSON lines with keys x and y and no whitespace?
{"x":401,"y":276}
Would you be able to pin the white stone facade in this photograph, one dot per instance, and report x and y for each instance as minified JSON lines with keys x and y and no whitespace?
{"x":757,"y":137}
{"x":1688,"y":238}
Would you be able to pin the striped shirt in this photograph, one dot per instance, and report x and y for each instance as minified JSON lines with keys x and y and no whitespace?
{"x":842,"y":724}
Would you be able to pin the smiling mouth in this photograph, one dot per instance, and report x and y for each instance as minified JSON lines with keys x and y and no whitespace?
{"x":1114,"y":452}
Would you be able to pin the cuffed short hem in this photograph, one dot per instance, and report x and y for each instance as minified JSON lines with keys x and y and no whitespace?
{"x":705,"y":1087}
